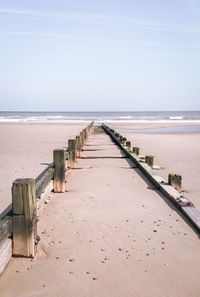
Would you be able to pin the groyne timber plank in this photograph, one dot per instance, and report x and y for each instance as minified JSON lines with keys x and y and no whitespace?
{"x":5,"y":253}
{"x":192,"y":213}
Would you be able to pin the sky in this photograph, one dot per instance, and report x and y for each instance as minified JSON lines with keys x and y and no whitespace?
{"x":75,"y":55}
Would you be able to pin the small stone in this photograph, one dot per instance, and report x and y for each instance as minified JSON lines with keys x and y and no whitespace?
{"x":57,"y":258}
{"x":44,"y":286}
{"x":154,"y":230}
{"x":106,"y":258}
{"x":87,"y":272}
{"x":120,"y":249}
{"x":94,"y":278}
{"x":103,"y":250}
{"x":147,"y":254}
{"x":71,"y":260}
{"x":17,"y":271}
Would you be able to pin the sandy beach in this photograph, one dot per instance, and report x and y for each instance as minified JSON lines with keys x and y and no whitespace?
{"x":173,"y":152}
{"x":26,"y":149}
{"x":111,"y":234}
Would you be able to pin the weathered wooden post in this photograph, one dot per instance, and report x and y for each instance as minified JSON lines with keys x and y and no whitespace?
{"x":59,"y":171}
{"x":128,"y":145}
{"x":149,"y":160}
{"x":84,"y":135}
{"x":136,"y":150}
{"x":78,"y":147}
{"x":81,"y":139}
{"x":175,"y":181}
{"x":71,"y":153}
{"x":24,"y":217}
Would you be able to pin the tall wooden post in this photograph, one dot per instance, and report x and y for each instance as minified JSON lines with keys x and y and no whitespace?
{"x":78,"y":147}
{"x":81,"y":139}
{"x":84,"y":136}
{"x":71,"y":153}
{"x":59,"y":171}
{"x":24,"y":217}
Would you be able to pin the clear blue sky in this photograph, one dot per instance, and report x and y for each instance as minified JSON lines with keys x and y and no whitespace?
{"x":99,"y":55}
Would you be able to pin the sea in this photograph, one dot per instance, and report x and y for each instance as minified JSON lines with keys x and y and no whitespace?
{"x":99,"y":117}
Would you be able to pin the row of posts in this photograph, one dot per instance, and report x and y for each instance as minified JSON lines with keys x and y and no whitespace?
{"x":174,"y":180}
{"x":24,"y":202}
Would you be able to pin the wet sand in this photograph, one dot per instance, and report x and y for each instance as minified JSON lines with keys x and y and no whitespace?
{"x":26,"y":149}
{"x":111,"y":234}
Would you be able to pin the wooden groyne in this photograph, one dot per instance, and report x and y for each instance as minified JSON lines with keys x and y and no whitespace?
{"x":169,"y":189}
{"x":18,"y":222}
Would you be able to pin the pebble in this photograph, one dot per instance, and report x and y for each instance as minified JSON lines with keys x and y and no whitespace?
{"x":103,"y":250}
{"x":94,"y":278}
{"x":154,"y":230}
{"x":120,"y":249}
{"x":87,"y":272}
{"x":106,"y":258}
{"x":71,"y":260}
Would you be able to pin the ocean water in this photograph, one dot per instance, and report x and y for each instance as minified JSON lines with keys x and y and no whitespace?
{"x":106,"y":117}
{"x":178,"y":129}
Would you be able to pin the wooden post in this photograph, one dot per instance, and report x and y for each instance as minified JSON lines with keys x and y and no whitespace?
{"x":128,"y":145}
{"x":78,"y":147}
{"x":84,"y":136}
{"x":136,"y":150}
{"x":71,"y":153}
{"x":175,"y":181}
{"x":81,"y":139}
{"x":149,"y":160}
{"x":59,"y":171}
{"x":24,"y":217}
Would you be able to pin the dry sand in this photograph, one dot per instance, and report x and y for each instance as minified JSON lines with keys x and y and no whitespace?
{"x":112,"y":234}
{"x":26,"y":149}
